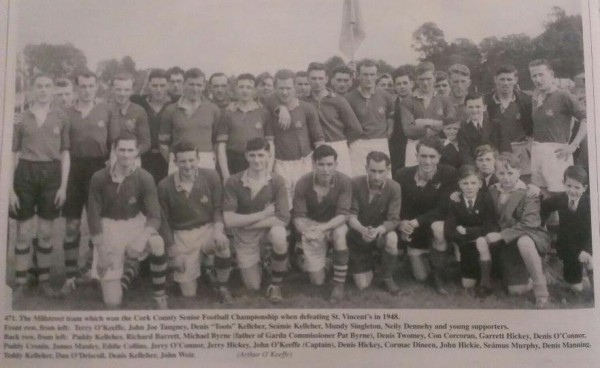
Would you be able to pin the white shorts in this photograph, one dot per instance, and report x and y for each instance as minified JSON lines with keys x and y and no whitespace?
{"x":247,"y":243}
{"x":523,"y":152}
{"x":361,"y":148}
{"x":344,"y":164}
{"x":291,"y":171}
{"x":206,"y":161}
{"x":546,"y":170}
{"x":191,"y":245}
{"x":118,"y":236}
{"x":315,"y":252}
{"x":410,"y":158}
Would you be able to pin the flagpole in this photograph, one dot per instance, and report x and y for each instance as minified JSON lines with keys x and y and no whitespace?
{"x":352,"y":24}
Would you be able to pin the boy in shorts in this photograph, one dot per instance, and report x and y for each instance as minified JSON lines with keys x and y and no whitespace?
{"x":256,"y":209}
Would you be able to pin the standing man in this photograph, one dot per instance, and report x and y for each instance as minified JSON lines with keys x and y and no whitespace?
{"x":340,"y":125}
{"x":218,"y":86}
{"x":374,"y":216}
{"x":155,"y":104}
{"x":341,"y":80}
{"x":41,"y":169}
{"x":256,"y":209}
{"x":192,"y":222}
{"x":322,"y":203}
{"x":403,"y":85}
{"x":511,"y":109}
{"x":442,"y":85}
{"x":192,"y":118}
{"x":374,"y":109}
{"x":553,"y":146}
{"x":89,"y":152}
{"x":425,"y":190}
{"x":124,"y":217}
{"x":460,"y":81}
{"x":302,"y":85}
{"x":175,"y":76}
{"x":424,"y":113}
{"x":293,"y":144}
{"x":127,"y":116}
{"x":63,"y":92}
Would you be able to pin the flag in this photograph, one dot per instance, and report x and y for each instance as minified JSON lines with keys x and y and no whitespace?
{"x":352,"y":33}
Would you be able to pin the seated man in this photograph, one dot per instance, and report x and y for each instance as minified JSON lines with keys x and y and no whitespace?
{"x":256,"y":209}
{"x":425,"y":189}
{"x":192,"y":222}
{"x":374,"y":216}
{"x":123,"y":217}
{"x":321,"y":207}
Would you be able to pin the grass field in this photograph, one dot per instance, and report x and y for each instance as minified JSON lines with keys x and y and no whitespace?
{"x":297,"y":292}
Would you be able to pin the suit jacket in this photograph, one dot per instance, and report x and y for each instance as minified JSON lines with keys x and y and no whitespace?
{"x":397,"y":141}
{"x":493,"y":180}
{"x":478,"y":222}
{"x":575,"y":230}
{"x":451,"y":156}
{"x":469,"y":138}
{"x":521,"y":215}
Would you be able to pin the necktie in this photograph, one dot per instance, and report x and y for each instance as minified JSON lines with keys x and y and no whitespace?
{"x":572,"y":205}
{"x":470,"y":205}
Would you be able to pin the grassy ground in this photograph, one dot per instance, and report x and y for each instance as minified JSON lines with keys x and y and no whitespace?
{"x":297,"y":292}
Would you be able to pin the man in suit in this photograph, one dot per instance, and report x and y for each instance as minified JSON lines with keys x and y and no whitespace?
{"x":477,"y":130}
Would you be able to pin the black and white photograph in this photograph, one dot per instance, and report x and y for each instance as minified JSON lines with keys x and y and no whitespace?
{"x":340,"y":154}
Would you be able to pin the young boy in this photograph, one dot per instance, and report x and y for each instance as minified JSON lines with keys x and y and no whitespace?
{"x":485,"y":160}
{"x":477,"y":130}
{"x":574,"y":234}
{"x":450,"y":153}
{"x":470,"y":217}
{"x":521,"y":237}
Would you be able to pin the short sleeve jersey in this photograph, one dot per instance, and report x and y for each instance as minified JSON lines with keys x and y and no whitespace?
{"x":43,"y":142}
{"x":336,"y":202}
{"x":238,"y":127}
{"x":89,"y":134}
{"x":133,"y":120}
{"x":552,"y":116}
{"x":373,"y":112}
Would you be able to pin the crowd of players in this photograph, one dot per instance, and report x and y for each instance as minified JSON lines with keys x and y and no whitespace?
{"x":331,"y":168}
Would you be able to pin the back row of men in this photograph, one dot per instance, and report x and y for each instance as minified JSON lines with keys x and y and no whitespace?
{"x":58,"y":150}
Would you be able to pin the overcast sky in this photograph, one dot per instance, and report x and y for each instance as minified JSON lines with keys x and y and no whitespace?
{"x":255,"y":35}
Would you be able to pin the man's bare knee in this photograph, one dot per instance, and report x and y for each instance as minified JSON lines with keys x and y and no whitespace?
{"x":71,"y":229}
{"x":317,"y":277}
{"x":278,"y":238}
{"x":438,"y":230}
{"x":391,"y":242}
{"x":363,"y":280}
{"x":44,"y":231}
{"x":251,"y":277}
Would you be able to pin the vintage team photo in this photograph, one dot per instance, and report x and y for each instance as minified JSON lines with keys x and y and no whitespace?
{"x":280,"y":154}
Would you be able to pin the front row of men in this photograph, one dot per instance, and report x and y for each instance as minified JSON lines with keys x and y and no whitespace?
{"x":185,"y":220}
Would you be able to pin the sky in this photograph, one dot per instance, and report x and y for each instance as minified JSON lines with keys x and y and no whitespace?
{"x":237,"y":36}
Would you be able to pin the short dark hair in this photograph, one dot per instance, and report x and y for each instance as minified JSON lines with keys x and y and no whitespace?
{"x":184,"y":146}
{"x":510,"y":159}
{"x":505,"y":69}
{"x":323,"y":151}
{"x":424,"y":67}
{"x":367,"y":63}
{"x":284,"y":74}
{"x":262,"y":77}
{"x":440,"y":75}
{"x":342,"y":69}
{"x":302,"y":74}
{"x":158,"y":74}
{"x":85,"y":74}
{"x":174,"y":71}
{"x":465,"y":171}
{"x":257,"y":144}
{"x":432,"y":142}
{"x":246,"y":76}
{"x":215,"y":75}
{"x":193,"y":73}
{"x":63,"y":82}
{"x":576,"y":173}
{"x":316,"y":66}
{"x":382,"y":76}
{"x":126,"y":136}
{"x":485,"y":149}
{"x":540,"y":62}
{"x":404,"y":71}
{"x":473,"y":96}
{"x":377,"y":156}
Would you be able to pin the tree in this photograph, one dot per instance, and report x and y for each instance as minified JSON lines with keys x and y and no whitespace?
{"x":332,"y":63}
{"x":429,"y":41}
{"x":107,"y":69}
{"x":56,"y":60}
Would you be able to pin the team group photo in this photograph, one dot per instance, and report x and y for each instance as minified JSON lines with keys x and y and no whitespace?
{"x":454,"y":176}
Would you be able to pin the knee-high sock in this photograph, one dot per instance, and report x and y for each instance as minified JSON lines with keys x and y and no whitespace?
{"x":388,"y":263}
{"x":131,"y":268}
{"x":486,"y":272}
{"x":22,"y":264}
{"x":71,"y":257}
{"x":33,"y":268}
{"x":340,"y":265}
{"x":278,"y":267}
{"x":222,"y":269}
{"x":44,"y":257}
{"x":88,"y":260}
{"x":158,"y":271}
